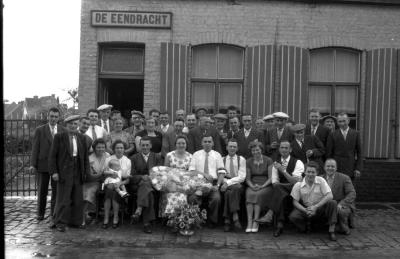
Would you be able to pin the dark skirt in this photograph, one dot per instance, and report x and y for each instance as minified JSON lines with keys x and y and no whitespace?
{"x":260,"y":197}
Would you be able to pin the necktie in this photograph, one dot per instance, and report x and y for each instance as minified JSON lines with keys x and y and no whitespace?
{"x":52,"y":131}
{"x":94,"y":136}
{"x":71,"y":145}
{"x":344,"y":135}
{"x":232,"y":168}
{"x":280,"y":133}
{"x":206,"y":164}
{"x":313,"y":130}
{"x":105,"y":125}
{"x":284,"y":163}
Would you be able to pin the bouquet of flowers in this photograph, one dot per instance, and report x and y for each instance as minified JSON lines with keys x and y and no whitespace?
{"x":187,"y":217}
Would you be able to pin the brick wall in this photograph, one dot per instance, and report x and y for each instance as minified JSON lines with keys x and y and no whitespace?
{"x":245,"y":24}
{"x":380,"y":181}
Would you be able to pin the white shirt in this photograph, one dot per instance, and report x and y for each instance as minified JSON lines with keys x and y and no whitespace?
{"x":164,"y":128}
{"x":300,"y":142}
{"x":100,"y":132}
{"x":345,"y":132}
{"x":310,"y":195}
{"x":214,"y":162}
{"x":298,"y":170}
{"x":107,"y":122}
{"x":74,"y":146}
{"x":146,"y":157}
{"x":246,"y":132}
{"x":241,"y":172}
{"x":314,"y":129}
{"x":54,"y":129}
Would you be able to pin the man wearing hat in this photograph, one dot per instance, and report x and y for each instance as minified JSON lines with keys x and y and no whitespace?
{"x":68,"y":166}
{"x":220,"y":122}
{"x":105,"y":122}
{"x":330,"y":122}
{"x":196,"y":134}
{"x":268,"y":122}
{"x":316,"y":129}
{"x":246,"y":135}
{"x":277,"y":134}
{"x":307,"y":147}
{"x":201,"y":112}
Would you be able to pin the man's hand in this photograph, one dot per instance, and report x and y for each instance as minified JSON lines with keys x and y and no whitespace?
{"x":224,"y":187}
{"x":279,"y":167}
{"x":55,"y":177}
{"x":309,"y":153}
{"x":311,"y":210}
{"x":357,"y":174}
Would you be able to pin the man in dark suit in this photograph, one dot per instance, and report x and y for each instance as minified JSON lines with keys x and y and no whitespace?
{"x":168,"y":141}
{"x":246,"y":135}
{"x":315,"y":128}
{"x":306,"y":147}
{"x":276,"y":135}
{"x":84,"y":124}
{"x":343,"y":193}
{"x":344,"y":145}
{"x":41,"y":145}
{"x":105,"y":122}
{"x":234,"y":126}
{"x":220,"y":125}
{"x":69,"y":166}
{"x":140,"y":183}
{"x":195,"y":136}
{"x":164,"y":127}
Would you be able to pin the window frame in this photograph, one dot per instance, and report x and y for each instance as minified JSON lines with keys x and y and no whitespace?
{"x":217,"y":81}
{"x":334,"y":85}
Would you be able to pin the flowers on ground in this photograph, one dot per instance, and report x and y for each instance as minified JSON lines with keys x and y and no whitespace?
{"x":186,"y":217}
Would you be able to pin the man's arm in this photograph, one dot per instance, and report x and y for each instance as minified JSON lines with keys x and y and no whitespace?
{"x":358,"y":152}
{"x":319,"y":149}
{"x":35,"y":149}
{"x":349,"y":191}
{"x":330,"y":146}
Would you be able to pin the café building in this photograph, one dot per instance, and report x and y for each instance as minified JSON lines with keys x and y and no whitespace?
{"x":261,"y":56}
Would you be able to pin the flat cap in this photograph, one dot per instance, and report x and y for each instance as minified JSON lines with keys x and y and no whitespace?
{"x":104,"y":107}
{"x":268,"y":117}
{"x":280,"y":115}
{"x":72,"y":118}
{"x":298,"y":127}
{"x":329,"y":117}
{"x":201,"y":108}
{"x":138,"y":113}
{"x":220,"y":116}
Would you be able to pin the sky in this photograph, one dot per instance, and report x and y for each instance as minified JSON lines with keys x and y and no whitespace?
{"x":40,"y":48}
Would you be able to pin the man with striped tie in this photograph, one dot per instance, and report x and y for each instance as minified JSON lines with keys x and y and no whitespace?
{"x":105,"y":122}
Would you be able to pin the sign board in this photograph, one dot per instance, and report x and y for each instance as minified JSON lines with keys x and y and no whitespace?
{"x":158,"y":20}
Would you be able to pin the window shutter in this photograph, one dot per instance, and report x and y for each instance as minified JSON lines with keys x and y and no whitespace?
{"x":380,"y":88}
{"x":260,"y":80}
{"x":173,"y":77}
{"x":397,"y":106}
{"x":293,"y":79}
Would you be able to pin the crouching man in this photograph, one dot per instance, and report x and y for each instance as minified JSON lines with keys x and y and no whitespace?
{"x":313,"y":199}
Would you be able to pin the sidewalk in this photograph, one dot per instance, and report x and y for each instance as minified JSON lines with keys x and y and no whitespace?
{"x":377,"y":233}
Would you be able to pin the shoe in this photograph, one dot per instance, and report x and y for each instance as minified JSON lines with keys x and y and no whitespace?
{"x":60,"y":228}
{"x":237,"y":226}
{"x":135,"y":218}
{"x":40,"y":218}
{"x":52,"y":225}
{"x":248,"y":230}
{"x":266,"y":219}
{"x":255,"y":227}
{"x":332,"y":236}
{"x":147,"y":228}
{"x":115,"y":225}
{"x":227,"y":227}
{"x":278,"y":232}
{"x":105,"y":225}
{"x":83,"y":226}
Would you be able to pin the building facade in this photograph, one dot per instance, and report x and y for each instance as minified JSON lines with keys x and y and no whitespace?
{"x":261,"y":56}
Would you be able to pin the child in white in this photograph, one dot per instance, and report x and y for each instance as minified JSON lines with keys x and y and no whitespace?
{"x":115,"y":167}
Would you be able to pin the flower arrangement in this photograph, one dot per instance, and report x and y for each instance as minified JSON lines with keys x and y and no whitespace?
{"x":186,"y":218}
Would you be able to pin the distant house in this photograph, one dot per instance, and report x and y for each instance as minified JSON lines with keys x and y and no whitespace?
{"x":37,"y":107}
{"x":13,"y":110}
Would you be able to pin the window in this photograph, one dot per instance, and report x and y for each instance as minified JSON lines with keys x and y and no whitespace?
{"x":127,"y":61}
{"x":217,"y":77}
{"x":335,"y":81}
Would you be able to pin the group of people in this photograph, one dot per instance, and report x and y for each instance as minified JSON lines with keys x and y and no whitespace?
{"x":276,"y":170}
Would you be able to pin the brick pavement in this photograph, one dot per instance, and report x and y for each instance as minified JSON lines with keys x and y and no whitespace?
{"x":375,"y":229}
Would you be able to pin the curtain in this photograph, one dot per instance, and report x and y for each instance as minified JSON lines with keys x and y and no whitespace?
{"x":230,"y":62}
{"x":347,"y":67}
{"x":320,"y":98}
{"x":321,"y":65}
{"x":203,"y":96}
{"x":346,"y":100}
{"x":205,"y":62}
{"x":230,"y":94}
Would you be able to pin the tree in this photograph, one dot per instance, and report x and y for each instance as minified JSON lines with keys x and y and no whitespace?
{"x":73,"y":93}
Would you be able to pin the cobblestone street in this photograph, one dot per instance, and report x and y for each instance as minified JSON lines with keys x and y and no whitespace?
{"x":377,"y":234}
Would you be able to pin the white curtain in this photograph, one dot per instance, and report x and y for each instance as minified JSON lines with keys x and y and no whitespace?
{"x":321,"y":65}
{"x":346,"y":100}
{"x":203,"y":96}
{"x":230,"y":94}
{"x":320,"y":98}
{"x":205,"y":62}
{"x":230,"y":62}
{"x":347,"y":66}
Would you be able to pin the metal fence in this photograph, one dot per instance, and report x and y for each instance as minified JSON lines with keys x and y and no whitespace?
{"x":18,"y":136}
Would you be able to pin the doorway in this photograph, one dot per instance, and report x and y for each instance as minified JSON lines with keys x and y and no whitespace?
{"x":124,"y":95}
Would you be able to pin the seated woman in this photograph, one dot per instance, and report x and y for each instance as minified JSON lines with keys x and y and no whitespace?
{"x":118,"y":133}
{"x":179,"y":158}
{"x":258,"y":179}
{"x":97,"y":165}
{"x":154,"y":136}
{"x":111,"y":195}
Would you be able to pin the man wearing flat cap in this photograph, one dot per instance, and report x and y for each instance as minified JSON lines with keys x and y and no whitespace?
{"x":220,"y":125}
{"x":330,"y":122}
{"x":268,"y":122}
{"x":105,"y":122}
{"x":307,"y":147}
{"x":277,"y":134}
{"x":68,"y":166}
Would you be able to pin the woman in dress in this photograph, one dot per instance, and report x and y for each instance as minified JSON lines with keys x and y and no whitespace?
{"x":97,"y":165}
{"x":111,"y":196}
{"x":155,"y":136}
{"x":258,"y":179}
{"x":118,"y":133}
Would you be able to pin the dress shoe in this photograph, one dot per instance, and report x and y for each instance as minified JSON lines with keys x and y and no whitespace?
{"x":40,"y":217}
{"x":237,"y":226}
{"x":60,"y":228}
{"x":278,"y":232}
{"x":254,"y":229}
{"x":332,"y":236}
{"x":227,"y":227}
{"x":248,"y":230}
{"x":147,"y":228}
{"x":135,"y":218}
{"x":105,"y":225}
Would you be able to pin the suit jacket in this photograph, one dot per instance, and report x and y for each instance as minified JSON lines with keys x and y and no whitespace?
{"x":243,"y":142}
{"x":270,"y":136}
{"x":311,"y":142}
{"x":61,"y":161}
{"x":195,"y":136}
{"x":141,"y":167}
{"x":223,"y":141}
{"x":322,"y":133}
{"x":168,"y":143}
{"x":41,"y":145}
{"x":169,"y":130}
{"x":343,"y":190}
{"x":347,"y":153}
